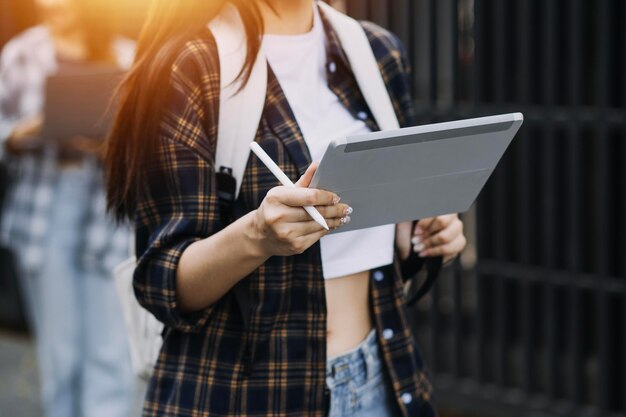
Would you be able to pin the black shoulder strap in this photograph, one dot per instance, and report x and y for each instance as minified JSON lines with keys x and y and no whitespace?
{"x":412,"y":266}
{"x":433,"y":267}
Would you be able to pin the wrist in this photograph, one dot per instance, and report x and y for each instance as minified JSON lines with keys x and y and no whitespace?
{"x":255,"y":238}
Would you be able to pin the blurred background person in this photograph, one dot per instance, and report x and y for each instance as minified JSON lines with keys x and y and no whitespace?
{"x":56,"y":220}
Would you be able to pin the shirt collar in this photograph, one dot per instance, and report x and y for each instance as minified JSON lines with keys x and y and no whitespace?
{"x":334,"y":51}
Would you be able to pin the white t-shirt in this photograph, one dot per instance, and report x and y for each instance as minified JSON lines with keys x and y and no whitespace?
{"x":299,"y":62}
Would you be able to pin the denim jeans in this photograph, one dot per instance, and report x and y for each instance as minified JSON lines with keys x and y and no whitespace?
{"x":357,"y":384}
{"x":82,"y":348}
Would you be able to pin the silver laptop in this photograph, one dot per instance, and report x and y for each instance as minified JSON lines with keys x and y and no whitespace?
{"x":77,"y":103}
{"x":417,"y":172}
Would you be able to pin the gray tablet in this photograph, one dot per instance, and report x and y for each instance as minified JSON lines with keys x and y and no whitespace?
{"x":417,"y":172}
{"x":77,"y":103}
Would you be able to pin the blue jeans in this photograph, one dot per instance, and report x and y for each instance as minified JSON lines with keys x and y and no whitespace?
{"x":357,"y":384}
{"x":82,"y":349}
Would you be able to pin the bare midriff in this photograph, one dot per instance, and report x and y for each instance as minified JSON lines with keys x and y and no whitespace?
{"x":349,"y":320}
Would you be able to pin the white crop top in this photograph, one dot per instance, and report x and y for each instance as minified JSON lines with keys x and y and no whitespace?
{"x":299,"y":62}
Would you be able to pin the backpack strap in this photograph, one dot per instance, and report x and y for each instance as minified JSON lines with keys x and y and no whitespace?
{"x":240,"y":108}
{"x":239,"y":116}
{"x":235,"y":132}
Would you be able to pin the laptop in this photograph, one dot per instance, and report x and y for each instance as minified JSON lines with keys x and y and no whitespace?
{"x":77,"y":103}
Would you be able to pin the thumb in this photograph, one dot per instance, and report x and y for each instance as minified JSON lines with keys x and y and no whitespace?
{"x":305,"y":180}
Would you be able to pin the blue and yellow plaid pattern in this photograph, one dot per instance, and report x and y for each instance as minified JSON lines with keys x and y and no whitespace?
{"x":210,"y":364}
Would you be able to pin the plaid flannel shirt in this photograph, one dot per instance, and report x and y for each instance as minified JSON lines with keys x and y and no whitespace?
{"x":25,"y":64}
{"x":210,"y":363}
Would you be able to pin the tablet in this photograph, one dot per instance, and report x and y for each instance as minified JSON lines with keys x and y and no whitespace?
{"x":76,"y":103}
{"x":417,"y":172}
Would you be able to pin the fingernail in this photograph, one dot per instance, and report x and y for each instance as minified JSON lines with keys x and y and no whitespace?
{"x":424,"y":254}
{"x":416,"y":240}
{"x":345,"y":220}
{"x":349,"y":211}
{"x":420,"y":247}
{"x":336,"y":200}
{"x":419,"y":231}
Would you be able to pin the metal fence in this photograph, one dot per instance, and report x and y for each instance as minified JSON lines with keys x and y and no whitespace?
{"x":536,"y":326}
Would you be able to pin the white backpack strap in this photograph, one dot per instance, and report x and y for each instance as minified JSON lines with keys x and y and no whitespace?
{"x":364,"y":66}
{"x":240,"y":112}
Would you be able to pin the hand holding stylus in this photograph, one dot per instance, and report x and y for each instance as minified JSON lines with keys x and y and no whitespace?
{"x":284,"y":180}
{"x":286,"y":228}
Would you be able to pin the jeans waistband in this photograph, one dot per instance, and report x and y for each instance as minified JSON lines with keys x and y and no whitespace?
{"x":361,"y":363}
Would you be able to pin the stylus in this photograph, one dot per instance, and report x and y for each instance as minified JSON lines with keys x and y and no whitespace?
{"x":284,"y":180}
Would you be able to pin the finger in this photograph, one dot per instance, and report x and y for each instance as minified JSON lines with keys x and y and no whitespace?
{"x":440,"y":223}
{"x":423,"y":225}
{"x":447,"y":235}
{"x":310,"y":239}
{"x":421,"y":233}
{"x":436,"y":225}
{"x":286,"y":214}
{"x":299,"y":197}
{"x":335,"y":212}
{"x":298,"y":214}
{"x":310,"y":227}
{"x":305,"y":180}
{"x":451,"y":249}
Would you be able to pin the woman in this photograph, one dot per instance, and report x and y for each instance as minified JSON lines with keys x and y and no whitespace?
{"x":56,"y":217}
{"x":327,"y":324}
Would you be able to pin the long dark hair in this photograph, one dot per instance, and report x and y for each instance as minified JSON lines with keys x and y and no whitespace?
{"x":131,"y":144}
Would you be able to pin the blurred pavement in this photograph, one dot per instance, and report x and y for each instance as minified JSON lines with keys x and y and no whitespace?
{"x":19,"y":390}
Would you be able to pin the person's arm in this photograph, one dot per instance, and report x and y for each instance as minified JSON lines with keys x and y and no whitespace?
{"x":187,"y":261}
{"x":25,"y":136}
{"x":209,"y":268}
{"x":190,"y":264}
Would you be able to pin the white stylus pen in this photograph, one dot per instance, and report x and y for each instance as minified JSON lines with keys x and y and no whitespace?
{"x":284,"y":180}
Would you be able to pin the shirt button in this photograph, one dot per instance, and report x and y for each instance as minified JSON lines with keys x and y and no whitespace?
{"x":332,"y":67}
{"x":362,"y":115}
{"x":406,"y":398}
{"x":387,"y":334}
{"x":379,"y":276}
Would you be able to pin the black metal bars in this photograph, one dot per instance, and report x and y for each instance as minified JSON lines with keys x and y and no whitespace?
{"x":537,"y":326}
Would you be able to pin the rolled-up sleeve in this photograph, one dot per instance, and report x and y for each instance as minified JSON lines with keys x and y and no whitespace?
{"x":179,"y":204}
